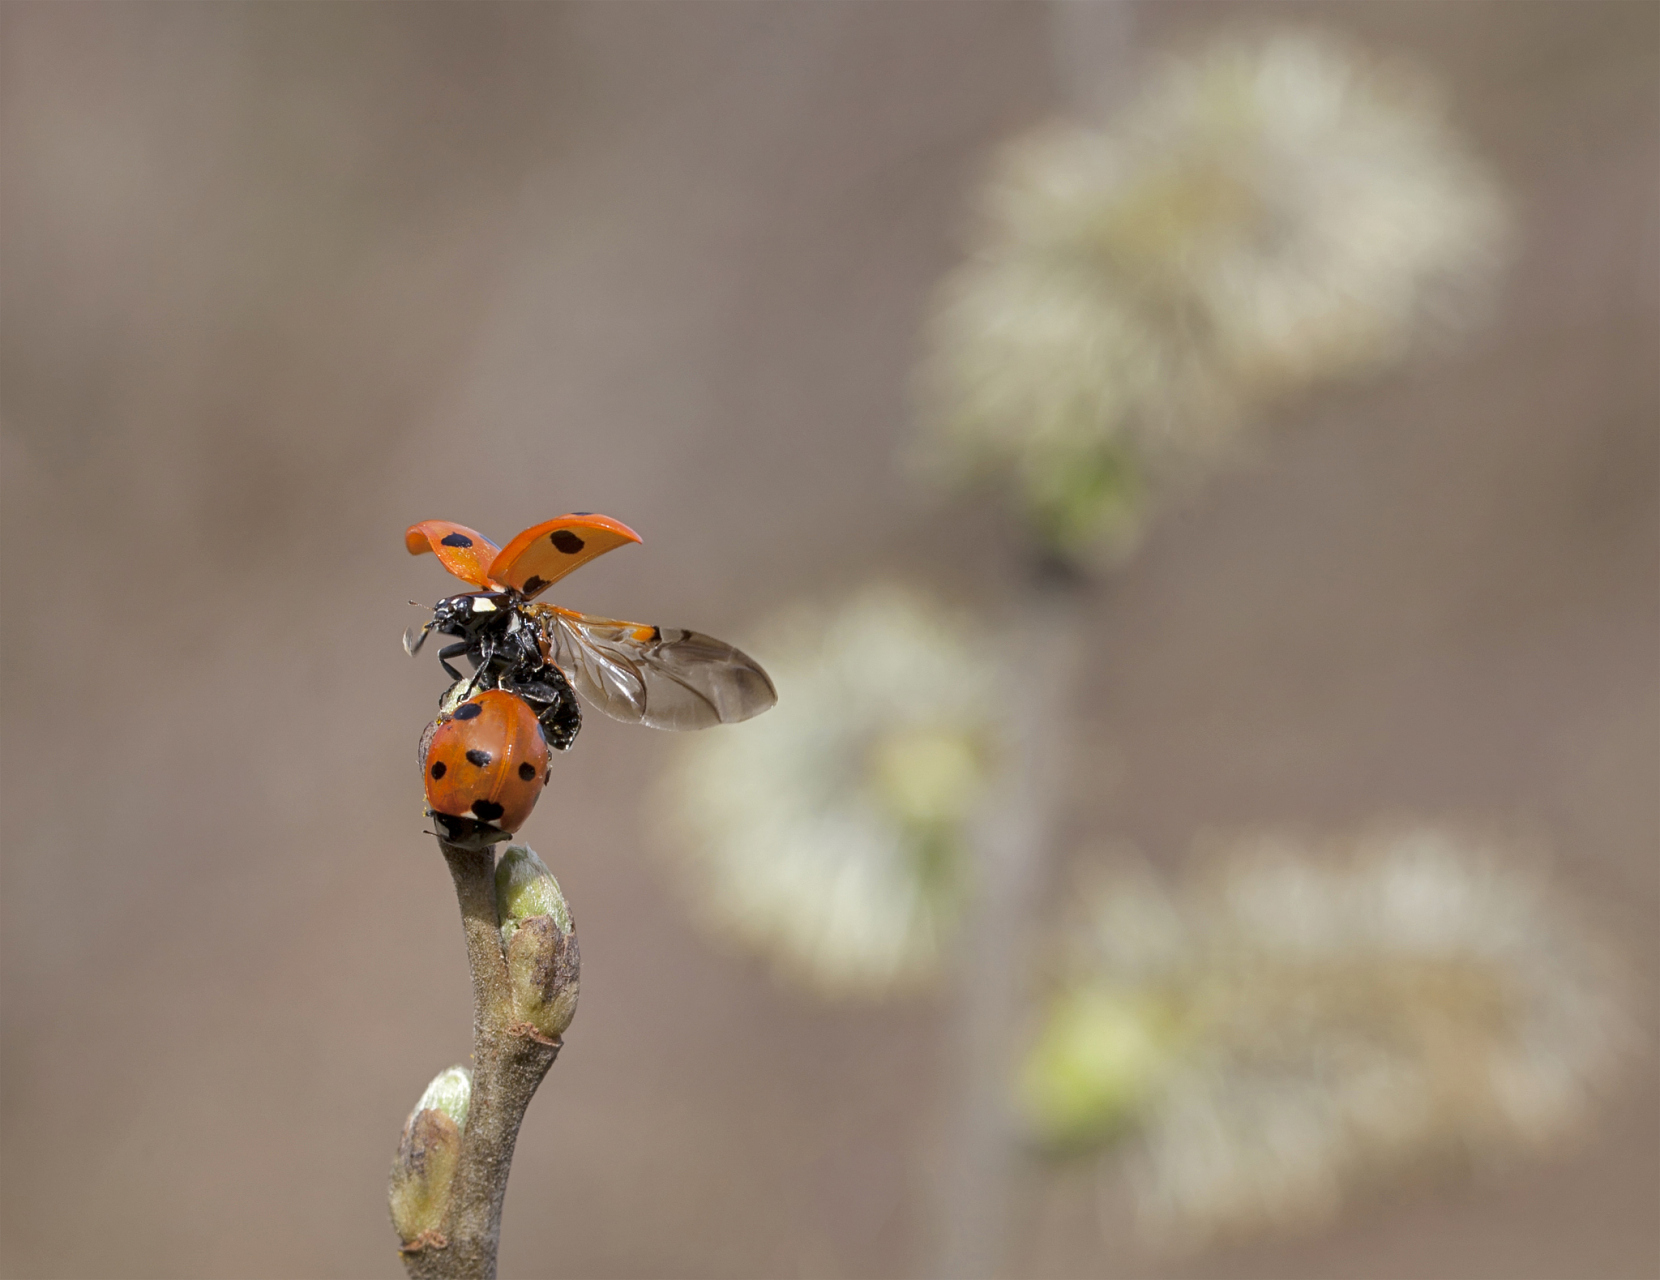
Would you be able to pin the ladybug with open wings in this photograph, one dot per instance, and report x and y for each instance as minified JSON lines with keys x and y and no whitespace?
{"x":634,"y":672}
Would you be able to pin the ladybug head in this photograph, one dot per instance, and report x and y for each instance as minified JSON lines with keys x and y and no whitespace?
{"x":464,"y":615}
{"x":467,"y":615}
{"x":467,"y":833}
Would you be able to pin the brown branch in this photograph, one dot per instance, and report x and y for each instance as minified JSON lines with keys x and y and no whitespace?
{"x":474,"y":873}
{"x":509,"y":1060}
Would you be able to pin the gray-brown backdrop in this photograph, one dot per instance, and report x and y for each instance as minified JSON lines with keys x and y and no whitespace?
{"x":280,"y":279}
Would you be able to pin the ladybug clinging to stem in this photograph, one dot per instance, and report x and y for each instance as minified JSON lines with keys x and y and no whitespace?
{"x":538,"y":653}
{"x":485,"y":766}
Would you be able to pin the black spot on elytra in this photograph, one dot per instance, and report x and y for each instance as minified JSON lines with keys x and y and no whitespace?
{"x":438,"y":769}
{"x":468,"y":711}
{"x":527,"y":771}
{"x":566,"y":541}
{"x":480,"y":758}
{"x":532,"y":585}
{"x":582,"y":513}
{"x":457,"y":540}
{"x":486,"y":810}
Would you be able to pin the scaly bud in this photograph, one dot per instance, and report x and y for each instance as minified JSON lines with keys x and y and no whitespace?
{"x":427,"y":1155}
{"x":544,"y":968}
{"x":543,"y":964}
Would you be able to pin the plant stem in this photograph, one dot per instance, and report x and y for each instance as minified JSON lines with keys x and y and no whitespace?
{"x":509,"y":1061}
{"x":1013,"y":846}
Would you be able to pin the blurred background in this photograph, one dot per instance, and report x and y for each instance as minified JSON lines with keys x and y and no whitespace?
{"x":279,"y":280}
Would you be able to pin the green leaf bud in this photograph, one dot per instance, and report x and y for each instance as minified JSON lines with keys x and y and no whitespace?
{"x":525,"y":888}
{"x":427,"y":1155}
{"x":450,"y":1092}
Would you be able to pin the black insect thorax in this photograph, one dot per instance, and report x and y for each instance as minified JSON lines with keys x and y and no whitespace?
{"x":475,"y":613}
{"x":504,"y":645}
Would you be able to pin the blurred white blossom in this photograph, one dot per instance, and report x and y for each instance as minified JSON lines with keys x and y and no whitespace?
{"x":1267,"y":214}
{"x":829,"y":833}
{"x":1313,"y":1015}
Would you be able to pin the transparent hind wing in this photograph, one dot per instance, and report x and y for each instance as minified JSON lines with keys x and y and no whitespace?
{"x":657,"y":676}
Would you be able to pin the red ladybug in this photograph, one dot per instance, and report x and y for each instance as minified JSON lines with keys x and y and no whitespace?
{"x":484,"y":768}
{"x":664,"y":677}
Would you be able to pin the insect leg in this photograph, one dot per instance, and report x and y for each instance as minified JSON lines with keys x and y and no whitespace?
{"x":451,"y":651}
{"x":484,"y":654}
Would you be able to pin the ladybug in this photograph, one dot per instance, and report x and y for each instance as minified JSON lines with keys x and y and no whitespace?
{"x":639,"y":673}
{"x":484,"y":768}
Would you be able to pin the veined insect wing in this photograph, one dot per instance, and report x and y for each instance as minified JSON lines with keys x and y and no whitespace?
{"x":642,"y":674}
